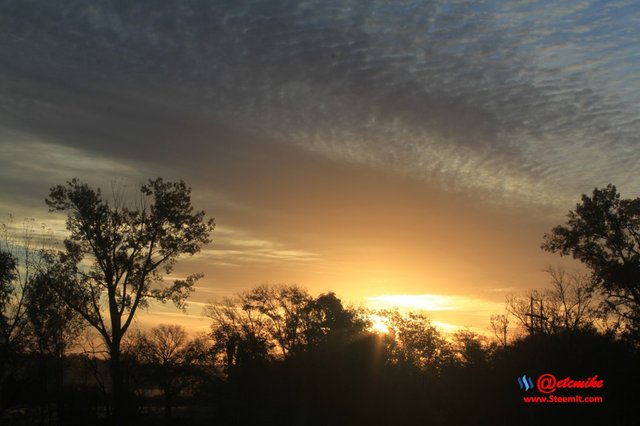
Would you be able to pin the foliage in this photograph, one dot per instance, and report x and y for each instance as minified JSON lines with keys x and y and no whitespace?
{"x":414,"y":342}
{"x":240,"y":335}
{"x":286,"y":309}
{"x":343,"y":374}
{"x":471,"y":349}
{"x":278,"y":321}
{"x":8,"y":320}
{"x":126,"y":248}
{"x":115,"y":253}
{"x":21,"y":257}
{"x":54,"y":324}
{"x":603,"y":232}
{"x":36,"y":327}
{"x":329,"y":320}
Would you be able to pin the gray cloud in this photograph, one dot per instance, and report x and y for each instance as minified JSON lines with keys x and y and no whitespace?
{"x":531,"y":100}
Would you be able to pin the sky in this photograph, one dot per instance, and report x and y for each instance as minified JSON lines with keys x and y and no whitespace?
{"x":371,"y":148}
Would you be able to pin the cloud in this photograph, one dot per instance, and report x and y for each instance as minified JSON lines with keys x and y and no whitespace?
{"x":30,"y":166}
{"x":513,"y":99}
{"x":448,"y":312}
{"x":235,"y":247}
{"x":314,"y":128}
{"x":434,"y":303}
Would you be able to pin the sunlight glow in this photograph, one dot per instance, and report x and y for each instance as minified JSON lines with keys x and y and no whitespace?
{"x":379,"y":324}
{"x":427,"y":302}
{"x":448,"y":328}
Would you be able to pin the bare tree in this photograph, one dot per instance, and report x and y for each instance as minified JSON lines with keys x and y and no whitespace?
{"x":575,"y":304}
{"x":167,"y":352}
{"x":569,"y":305}
{"x":499,"y":325}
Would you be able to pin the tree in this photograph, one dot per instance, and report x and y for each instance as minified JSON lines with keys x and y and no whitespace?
{"x":240,"y":334}
{"x":499,"y":325}
{"x":114,"y":257}
{"x":168,"y":355}
{"x":471,"y":348}
{"x":54,"y":325}
{"x":570,"y":305}
{"x":246,"y":329}
{"x":286,"y":308}
{"x":573,"y":302}
{"x":10,"y":313}
{"x":414,"y":342}
{"x":327,"y":320}
{"x":53,"y":328}
{"x":21,"y":256}
{"x":603,"y":232}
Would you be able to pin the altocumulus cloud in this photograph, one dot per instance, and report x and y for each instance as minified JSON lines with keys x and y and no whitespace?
{"x":532,"y":101}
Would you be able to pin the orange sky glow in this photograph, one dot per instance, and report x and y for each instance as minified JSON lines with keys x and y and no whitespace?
{"x":396,"y":162}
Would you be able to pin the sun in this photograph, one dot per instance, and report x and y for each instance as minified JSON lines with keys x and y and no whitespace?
{"x":379,"y":324}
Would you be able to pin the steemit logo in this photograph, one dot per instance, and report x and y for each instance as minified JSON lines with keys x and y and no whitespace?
{"x":525,"y":382}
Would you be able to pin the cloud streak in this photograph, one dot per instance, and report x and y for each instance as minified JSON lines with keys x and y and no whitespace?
{"x":509,"y":98}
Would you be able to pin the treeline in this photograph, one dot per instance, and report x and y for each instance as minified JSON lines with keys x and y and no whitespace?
{"x":278,"y":355}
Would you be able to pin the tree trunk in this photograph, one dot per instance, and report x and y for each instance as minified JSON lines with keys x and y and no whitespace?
{"x":117,"y":388}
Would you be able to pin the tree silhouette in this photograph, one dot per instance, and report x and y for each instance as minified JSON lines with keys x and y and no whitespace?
{"x":249,"y":326}
{"x":499,"y":325}
{"x":20,"y":260}
{"x":288,"y":354}
{"x":53,"y":328}
{"x":329,"y":320}
{"x":54,"y":325}
{"x":126,"y":249}
{"x":10,"y":314}
{"x":22,"y":256}
{"x":240,"y":334}
{"x":471,"y":348}
{"x":168,"y":355}
{"x":603,"y":232}
{"x":414,"y":342}
{"x":286,"y":308}
{"x":570,"y":305}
